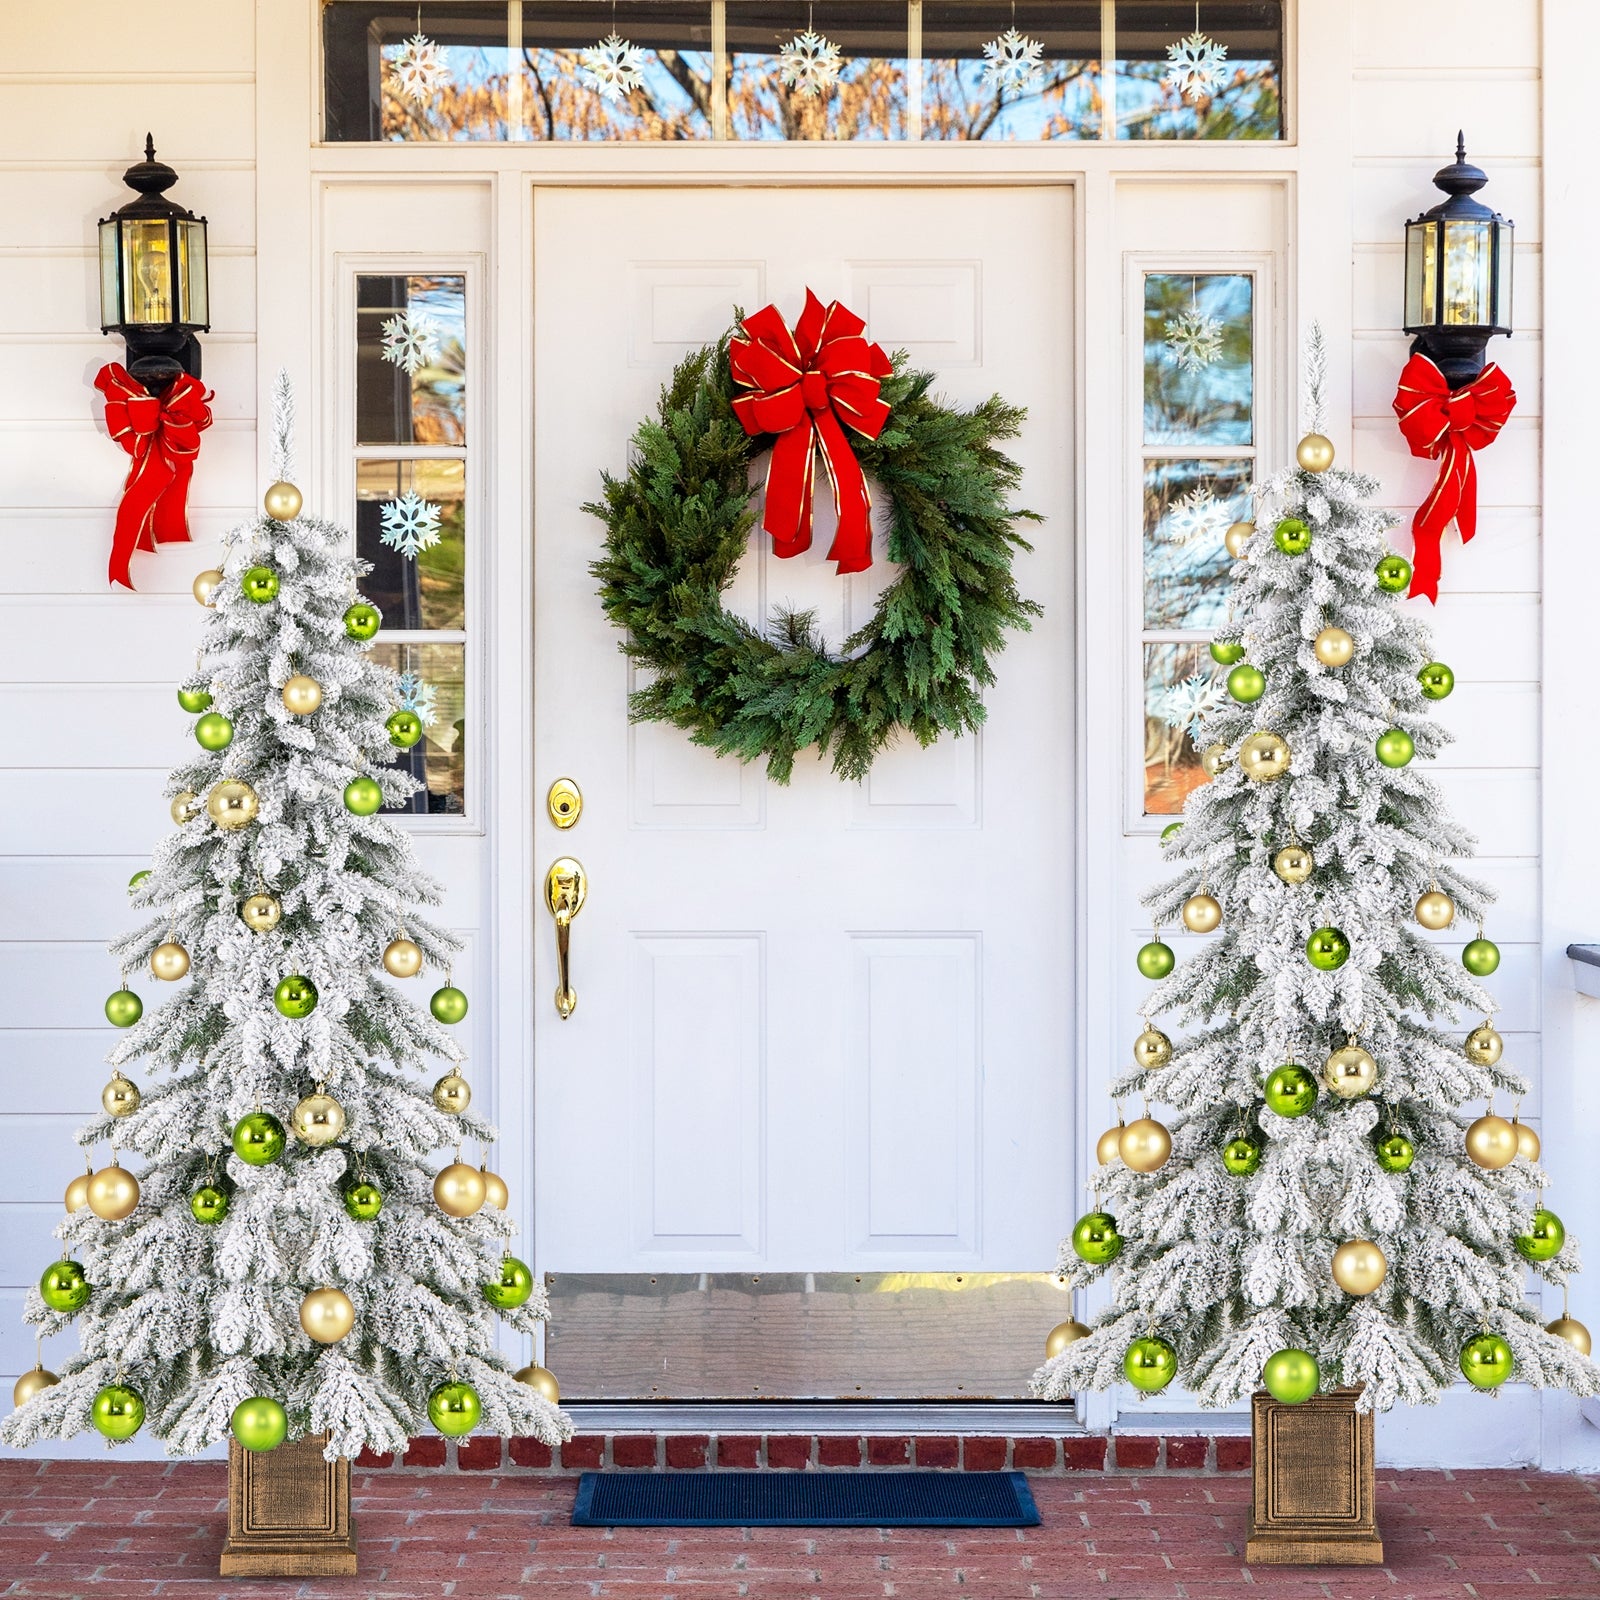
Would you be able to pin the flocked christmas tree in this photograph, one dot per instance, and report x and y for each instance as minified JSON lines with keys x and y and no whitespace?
{"x":1324,"y":1210}
{"x":279,"y":1256}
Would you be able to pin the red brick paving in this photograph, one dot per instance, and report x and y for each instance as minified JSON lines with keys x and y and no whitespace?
{"x":105,"y":1530}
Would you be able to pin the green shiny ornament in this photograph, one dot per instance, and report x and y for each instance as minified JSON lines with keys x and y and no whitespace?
{"x":1292,"y":536}
{"x":1437,"y":680}
{"x":1156,"y":959}
{"x":1394,"y":573}
{"x":1150,"y":1364}
{"x":361,"y":621}
{"x":1480,"y":957}
{"x":118,"y":1412}
{"x":513,"y":1286}
{"x":260,"y":584}
{"x":1396,"y":1153}
{"x":1544,"y":1238}
{"x":1246,"y":683}
{"x":63,"y":1287}
{"x":295,"y":997}
{"x":1327,"y":949}
{"x":454,"y":1408}
{"x":208,"y":1204}
{"x":448,"y":1004}
{"x":1225,"y":652}
{"x":260,"y":1423}
{"x":1395,"y":747}
{"x":258,"y":1139}
{"x":1241,"y":1156}
{"x":138,"y":877}
{"x":405,"y":728}
{"x":1171,"y":831}
{"x":123,"y":1008}
{"x":1290,"y":1090}
{"x":1291,"y":1376}
{"x":363,"y":1200}
{"x":1095,"y":1238}
{"x":362,"y":796}
{"x":213,"y":731}
{"x":194,"y":700}
{"x":1486,"y":1361}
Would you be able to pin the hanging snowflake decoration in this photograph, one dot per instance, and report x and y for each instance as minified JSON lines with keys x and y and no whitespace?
{"x":1196,"y":515}
{"x":1186,"y":705}
{"x":1194,"y":339}
{"x":419,"y":69}
{"x":418,"y":697}
{"x":809,"y":63}
{"x":1012,"y":61}
{"x":1195,"y":66}
{"x":613,"y":68}
{"x":411,"y":339}
{"x":410,"y":524}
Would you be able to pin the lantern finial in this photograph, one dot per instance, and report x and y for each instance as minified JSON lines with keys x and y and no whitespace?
{"x":150,"y":147}
{"x":1461,"y":144}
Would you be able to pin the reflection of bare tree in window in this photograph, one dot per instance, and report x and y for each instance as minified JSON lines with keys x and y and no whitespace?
{"x":1063,"y":104}
{"x":1248,"y":106}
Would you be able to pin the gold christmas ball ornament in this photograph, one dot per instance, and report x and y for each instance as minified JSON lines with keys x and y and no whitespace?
{"x":1237,"y":537}
{"x":1484,"y":1046}
{"x":77,"y":1195}
{"x":1063,"y":1334}
{"x":402,"y":958}
{"x":1350,"y":1072}
{"x":542,"y":1381}
{"x":185,"y":807}
{"x":35,"y":1382}
{"x":1214,"y":758}
{"x":1527,"y":1141}
{"x":327,"y":1315}
{"x":232,"y":804}
{"x":1145,"y":1145}
{"x":318,"y":1119}
{"x":282,"y":502}
{"x":1492,"y":1142}
{"x":206,"y":584}
{"x":169,"y":961}
{"x":1359,"y":1266}
{"x":1108,"y":1147}
{"x":1435,"y":910}
{"x":495,"y":1192}
{"x":113,"y":1192}
{"x":120,"y":1097}
{"x":302,"y":695}
{"x":261,"y":913}
{"x":1263,"y":757}
{"x":1314,"y":453}
{"x":459,"y":1190}
{"x":1564,"y":1327}
{"x":453,"y":1093}
{"x":1333,"y":647}
{"x":1152,"y":1049}
{"x":1201,"y":913}
{"x":1294,"y":863}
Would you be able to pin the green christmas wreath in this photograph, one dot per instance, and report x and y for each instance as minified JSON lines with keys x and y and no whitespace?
{"x":676,"y":528}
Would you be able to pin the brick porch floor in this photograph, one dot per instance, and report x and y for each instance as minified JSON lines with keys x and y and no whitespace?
{"x":127,"y":1531}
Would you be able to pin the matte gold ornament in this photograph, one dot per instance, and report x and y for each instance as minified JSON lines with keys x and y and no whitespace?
{"x":1201,"y":913}
{"x":232,"y":804}
{"x":495,"y":1192}
{"x":542,"y":1381}
{"x":1062,"y":1335}
{"x":402,"y":958}
{"x":282,"y":502}
{"x":1484,"y":1046}
{"x":185,"y":807}
{"x":169,"y":961}
{"x":1314,"y":453}
{"x":327,"y":1315}
{"x":1333,"y":647}
{"x":459,"y":1190}
{"x":120,"y":1097}
{"x":261,"y":912}
{"x":1564,"y":1327}
{"x":205,"y":585}
{"x":1237,"y":537}
{"x":453,"y":1093}
{"x":77,"y":1195}
{"x":302,"y":695}
{"x":1108,"y":1147}
{"x":1263,"y":757}
{"x":1359,"y":1266}
{"x":37,"y":1381}
{"x":1145,"y":1145}
{"x":1294,"y":863}
{"x":318,"y":1119}
{"x":1350,"y":1072}
{"x":1152,"y":1049}
{"x":1435,"y":910}
{"x":113,"y":1193}
{"x":1492,"y":1142}
{"x":1527,"y":1140}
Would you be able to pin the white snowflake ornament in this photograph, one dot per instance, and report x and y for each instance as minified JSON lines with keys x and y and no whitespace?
{"x":1195,"y":65}
{"x":1012,"y":61}
{"x":1187,"y":704}
{"x":410,"y":340}
{"x":1197,"y":514}
{"x":1194,"y":339}
{"x":809,"y":63}
{"x":613,"y":68}
{"x":419,"y":69}
{"x":417,"y":696}
{"x":409,"y":524}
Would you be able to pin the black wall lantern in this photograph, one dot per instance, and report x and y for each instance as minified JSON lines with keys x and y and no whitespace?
{"x":153,"y":288}
{"x":1458,"y":274}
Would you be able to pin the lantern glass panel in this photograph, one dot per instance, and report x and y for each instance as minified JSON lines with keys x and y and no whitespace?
{"x":194,"y":297}
{"x":1503,"y":236}
{"x":146,"y":270}
{"x":110,"y":299}
{"x":1422,"y":272}
{"x":1466,"y":274}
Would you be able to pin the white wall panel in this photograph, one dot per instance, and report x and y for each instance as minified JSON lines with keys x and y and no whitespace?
{"x":56,"y":1070}
{"x":107,"y":639}
{"x":117,"y":813}
{"x":74,"y":464}
{"x":1502,"y":559}
{"x":65,"y":550}
{"x":1378,"y":359}
{"x":1388,"y":190}
{"x":1508,"y":471}
{"x":1486,"y":638}
{"x":1446,"y":33}
{"x":71,"y":37}
{"x":58,"y":291}
{"x":217,"y":120}
{"x":1500,"y":807}
{"x":67,"y":364}
{"x":55,"y":206}
{"x":61,"y":726}
{"x":1406,"y":114}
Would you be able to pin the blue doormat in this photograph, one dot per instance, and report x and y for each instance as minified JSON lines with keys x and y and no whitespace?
{"x":804,"y":1500}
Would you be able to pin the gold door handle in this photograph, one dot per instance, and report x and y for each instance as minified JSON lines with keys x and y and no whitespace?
{"x":566,"y":886}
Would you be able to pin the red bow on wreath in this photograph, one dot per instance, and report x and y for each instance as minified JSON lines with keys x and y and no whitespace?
{"x":162,"y":434}
{"x":804,"y":385}
{"x":1447,"y":425}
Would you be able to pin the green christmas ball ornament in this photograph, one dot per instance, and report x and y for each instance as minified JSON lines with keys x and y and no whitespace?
{"x":1095,"y":1238}
{"x":362,"y":796}
{"x":362,"y":621}
{"x":1327,"y":949}
{"x":1393,"y":573}
{"x":1437,"y":680}
{"x":1241,"y":1156}
{"x":1396,"y":1152}
{"x":1156,"y":959}
{"x":123,"y":1008}
{"x":1150,"y":1364}
{"x":1225,"y":652}
{"x":448,"y":1004}
{"x":405,"y":728}
{"x":363,"y":1200}
{"x":1246,"y":683}
{"x":1480,"y":957}
{"x":208,"y":1205}
{"x":454,"y":1408}
{"x":295,"y":997}
{"x":63,"y":1287}
{"x":213,"y":731}
{"x":512,"y":1287}
{"x":260,"y":584}
{"x":1486,"y":1361}
{"x":258,"y":1139}
{"x":1292,"y":536}
{"x":260,"y":1423}
{"x":1544,"y":1238}
{"x":1395,"y":747}
{"x":194,"y":699}
{"x":118,"y":1412}
{"x":138,"y":877}
{"x":1290,"y":1090}
{"x":1171,"y":831}
{"x":1291,"y":1376}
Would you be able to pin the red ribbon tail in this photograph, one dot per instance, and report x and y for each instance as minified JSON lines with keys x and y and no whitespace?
{"x":1426,"y":561}
{"x":852,"y":543}
{"x":1467,"y":510}
{"x":169,"y":521}
{"x":146,"y":484}
{"x":789,"y":482}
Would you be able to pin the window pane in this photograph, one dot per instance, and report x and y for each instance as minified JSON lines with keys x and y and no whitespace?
{"x":437,"y":691}
{"x":1422,"y":269}
{"x":1187,"y":508}
{"x":402,"y":505}
{"x":1466,"y":272}
{"x":1198,"y":375}
{"x":1244,"y":100}
{"x":418,"y":322}
{"x":1062,"y":102}
{"x":1179,"y":683}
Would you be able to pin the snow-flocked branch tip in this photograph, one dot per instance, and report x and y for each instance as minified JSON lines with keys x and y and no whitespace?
{"x":282,"y":427}
{"x":1316,"y":407}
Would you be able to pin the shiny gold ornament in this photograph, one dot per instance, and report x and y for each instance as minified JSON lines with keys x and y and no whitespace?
{"x":495,"y":1192}
{"x":1527,"y":1140}
{"x":1263,"y":757}
{"x":1145,"y":1145}
{"x":1237,"y":537}
{"x":232,"y":804}
{"x":1359,"y":1266}
{"x":205,"y":585}
{"x":318,"y":1119}
{"x":1214,"y":758}
{"x":1152,"y":1049}
{"x":1564,"y":1327}
{"x":1201,"y":913}
{"x":1294,"y":863}
{"x":1314,"y":453}
{"x":169,"y":961}
{"x":1350,"y":1072}
{"x":185,"y":807}
{"x":77,"y":1195}
{"x":1063,"y":1334}
{"x":327,"y":1315}
{"x":113,"y":1192}
{"x":452,"y":1093}
{"x":1436,"y":910}
{"x":35,"y":1382}
{"x":261,"y":912}
{"x":282,"y":502}
{"x":1333,"y":647}
{"x":1492,"y":1142}
{"x":120,"y":1097}
{"x":402,"y":958}
{"x":541,"y":1381}
{"x":1484,"y":1046}
{"x":459,"y":1190}
{"x":1108,"y":1147}
{"x":302,"y":695}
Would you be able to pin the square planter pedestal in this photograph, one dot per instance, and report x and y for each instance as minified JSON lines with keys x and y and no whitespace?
{"x":288,"y":1513}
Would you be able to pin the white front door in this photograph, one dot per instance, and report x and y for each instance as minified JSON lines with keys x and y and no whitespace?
{"x":822,"y":1027}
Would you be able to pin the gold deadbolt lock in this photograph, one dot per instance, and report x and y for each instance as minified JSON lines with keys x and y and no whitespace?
{"x":564,"y":802}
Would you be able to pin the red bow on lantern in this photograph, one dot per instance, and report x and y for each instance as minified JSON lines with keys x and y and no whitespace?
{"x":1445,"y":424}
{"x":162,"y":434}
{"x":803,"y":385}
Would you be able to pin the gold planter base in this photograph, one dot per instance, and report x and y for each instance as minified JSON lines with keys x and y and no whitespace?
{"x":288,"y":1513}
{"x":1311,"y":1469}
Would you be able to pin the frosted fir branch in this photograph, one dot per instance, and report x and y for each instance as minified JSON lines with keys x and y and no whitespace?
{"x":1316,"y":377}
{"x":282,"y":427}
